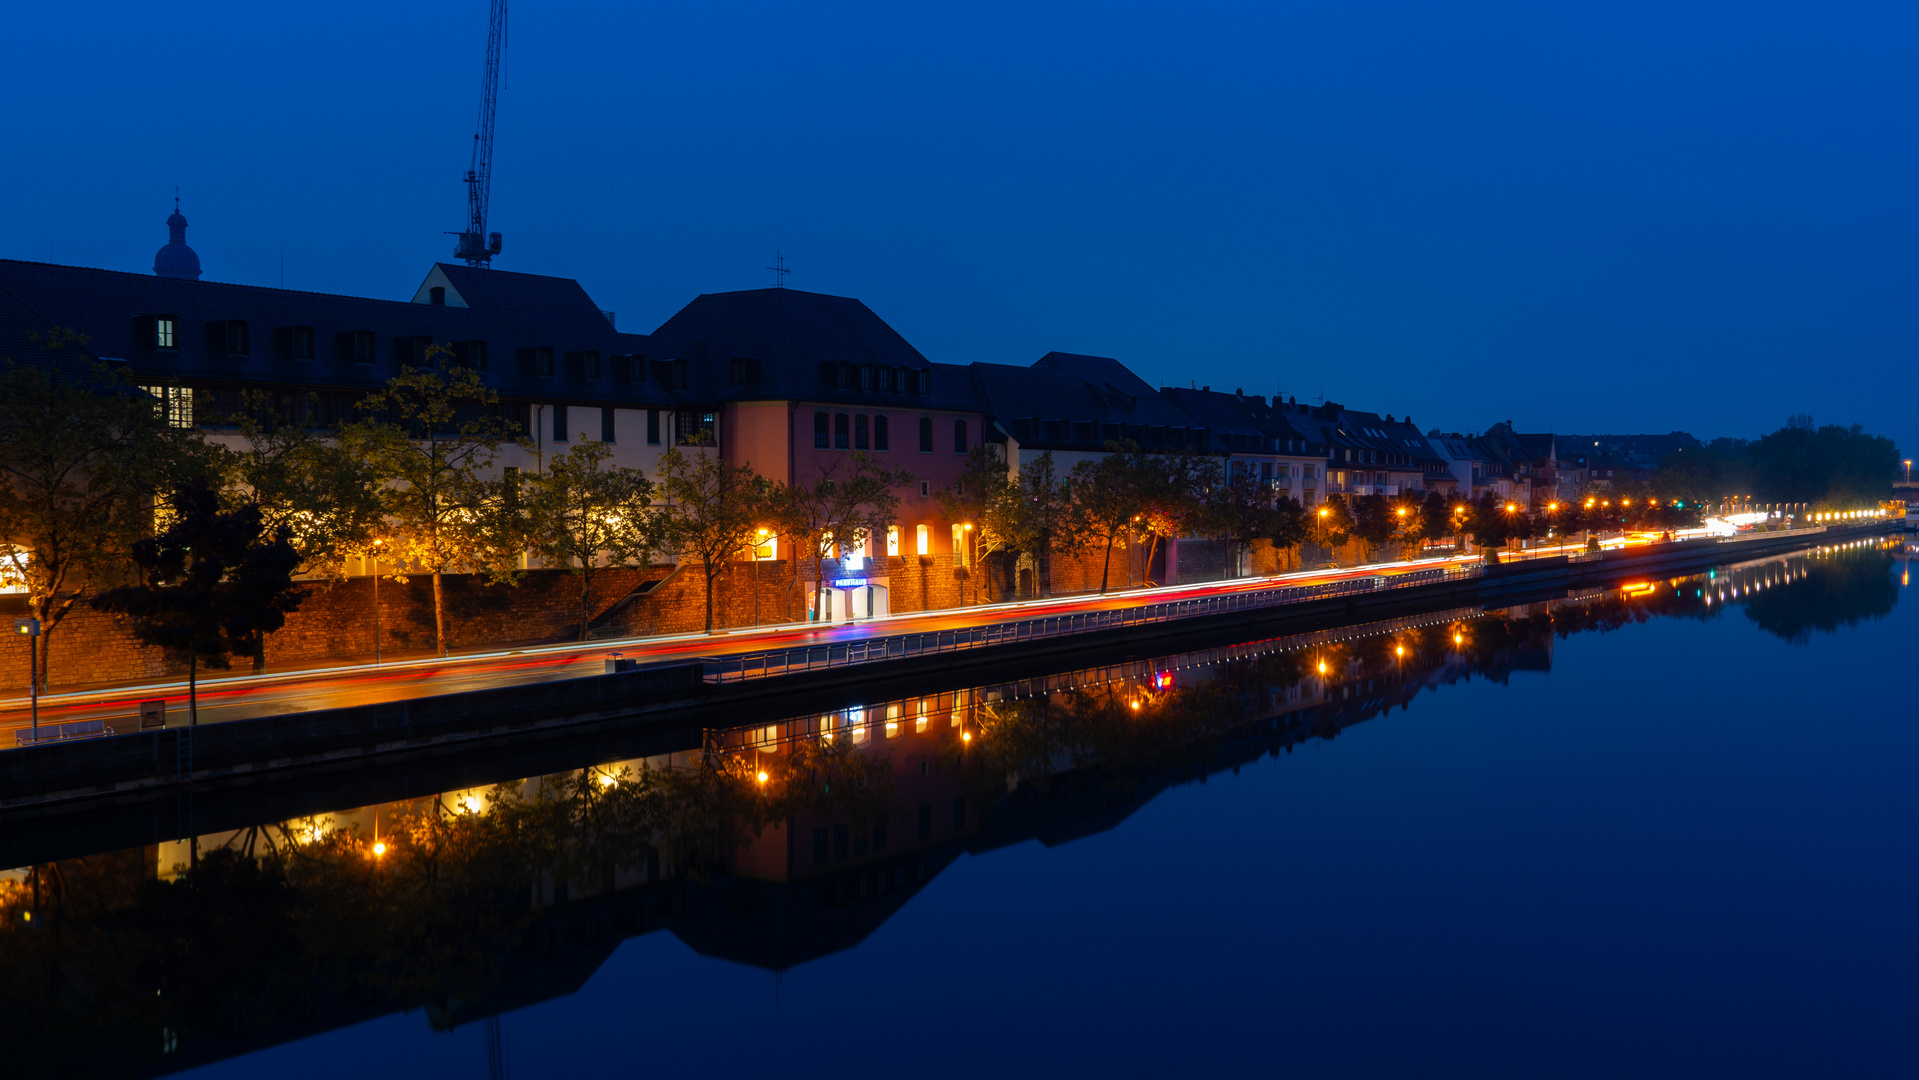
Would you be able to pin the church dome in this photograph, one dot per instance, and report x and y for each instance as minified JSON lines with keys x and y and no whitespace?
{"x":177,"y":260}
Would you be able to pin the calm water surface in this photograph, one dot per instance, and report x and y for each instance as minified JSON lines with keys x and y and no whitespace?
{"x":1666,"y":835}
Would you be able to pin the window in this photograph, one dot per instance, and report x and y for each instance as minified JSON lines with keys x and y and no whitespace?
{"x":227,"y":337}
{"x":819,"y":845}
{"x":590,"y":364}
{"x":697,"y":427}
{"x":926,"y":434}
{"x":842,"y":432}
{"x":537,"y":361}
{"x":159,"y":331}
{"x":293,"y":342}
{"x":606,"y":423}
{"x":926,"y":487}
{"x":959,"y":546}
{"x":859,"y":432}
{"x":470,"y":354}
{"x":559,"y":423}
{"x":959,"y":812}
{"x":174,"y":404}
{"x":866,"y":376}
{"x":923,"y":536}
{"x":880,"y":440}
{"x":413,"y":351}
{"x":653,"y":427}
{"x":678,"y":369}
{"x":354,"y":345}
{"x":959,"y":436}
{"x":437,"y":295}
{"x":926,"y":820}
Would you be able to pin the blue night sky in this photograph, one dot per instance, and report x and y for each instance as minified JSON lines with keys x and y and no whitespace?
{"x":1578,"y":217}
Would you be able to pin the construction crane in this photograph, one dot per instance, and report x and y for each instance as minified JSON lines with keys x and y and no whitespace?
{"x":477,"y":246}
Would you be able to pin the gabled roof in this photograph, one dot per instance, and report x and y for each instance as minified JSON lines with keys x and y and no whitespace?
{"x":795,"y":340}
{"x":1073,"y":388}
{"x":1238,"y":422}
{"x":508,"y":311}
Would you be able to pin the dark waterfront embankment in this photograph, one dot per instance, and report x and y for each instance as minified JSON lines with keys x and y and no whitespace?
{"x":257,"y":931}
{"x":459,"y":737}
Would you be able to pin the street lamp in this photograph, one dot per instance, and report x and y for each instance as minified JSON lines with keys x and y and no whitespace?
{"x":30,"y":629}
{"x":756,"y":580}
{"x":375,"y":555}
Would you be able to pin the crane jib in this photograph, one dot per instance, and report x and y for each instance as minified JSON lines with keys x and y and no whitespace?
{"x":477,"y":247}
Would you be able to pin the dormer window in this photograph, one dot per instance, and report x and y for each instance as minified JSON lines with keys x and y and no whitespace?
{"x":293,"y":342}
{"x":437,"y":296}
{"x":584,"y":364}
{"x":164,"y":329}
{"x":355,"y":346}
{"x":537,"y":360}
{"x":227,"y":337}
{"x":470,"y":354}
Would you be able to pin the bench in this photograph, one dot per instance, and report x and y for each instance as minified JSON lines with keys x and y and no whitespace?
{"x":76,"y":729}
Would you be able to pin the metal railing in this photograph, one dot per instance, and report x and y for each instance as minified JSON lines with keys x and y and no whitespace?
{"x":718,"y":669}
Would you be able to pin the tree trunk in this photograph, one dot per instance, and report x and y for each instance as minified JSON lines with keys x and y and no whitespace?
{"x":193,"y":697}
{"x":44,"y":662}
{"x":707,"y":569}
{"x":586,"y":602}
{"x":439,"y":614}
{"x":1106,"y":566}
{"x":259,"y":651}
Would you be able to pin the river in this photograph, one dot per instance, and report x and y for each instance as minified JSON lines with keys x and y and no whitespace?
{"x":1666,"y":830}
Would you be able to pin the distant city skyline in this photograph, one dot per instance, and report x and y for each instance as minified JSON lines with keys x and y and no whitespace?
{"x":1618,"y":220}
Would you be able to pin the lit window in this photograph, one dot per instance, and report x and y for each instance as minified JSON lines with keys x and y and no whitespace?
{"x":893,"y":540}
{"x":175,"y":403}
{"x":924,"y":539}
{"x":163,"y":332}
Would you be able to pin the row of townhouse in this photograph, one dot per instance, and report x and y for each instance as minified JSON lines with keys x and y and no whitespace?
{"x":786,"y":381}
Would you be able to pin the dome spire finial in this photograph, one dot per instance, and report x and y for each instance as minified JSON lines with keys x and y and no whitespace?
{"x":177,"y":260}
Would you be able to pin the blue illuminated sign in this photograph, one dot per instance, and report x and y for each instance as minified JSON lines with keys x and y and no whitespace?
{"x":848,"y":582}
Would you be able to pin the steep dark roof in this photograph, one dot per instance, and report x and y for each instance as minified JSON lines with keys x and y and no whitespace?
{"x":506,"y":310}
{"x":1076,"y":389}
{"x":796,"y":341}
{"x":1237,"y":422}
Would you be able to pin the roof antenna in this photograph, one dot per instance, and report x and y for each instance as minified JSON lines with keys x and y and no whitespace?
{"x":779,"y":269}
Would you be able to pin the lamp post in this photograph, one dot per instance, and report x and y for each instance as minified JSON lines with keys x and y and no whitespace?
{"x":375,"y":556}
{"x":30,"y":629}
{"x":756,"y":576}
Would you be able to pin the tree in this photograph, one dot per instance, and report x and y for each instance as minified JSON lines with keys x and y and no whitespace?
{"x":1833,"y":466}
{"x":1106,"y":491}
{"x":987,"y":499}
{"x":586,"y":515}
{"x":1433,"y":520}
{"x":1174,"y":488}
{"x":838,"y":508}
{"x":434,"y":436}
{"x":210,"y":583}
{"x":1244,"y":509}
{"x":1374,"y":523}
{"x":80,"y":458}
{"x":1333,"y":523}
{"x":302,"y":477}
{"x":1038,"y":514}
{"x":713,"y":511}
{"x":297,"y":476}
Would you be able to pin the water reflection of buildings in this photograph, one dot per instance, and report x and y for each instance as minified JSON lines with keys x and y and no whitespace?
{"x":783,"y":842}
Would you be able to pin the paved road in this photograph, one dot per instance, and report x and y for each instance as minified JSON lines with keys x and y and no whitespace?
{"x":237,"y":697}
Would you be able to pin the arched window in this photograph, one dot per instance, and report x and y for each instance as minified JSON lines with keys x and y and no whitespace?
{"x":926,"y":434}
{"x":879,"y":434}
{"x":859,"y":432}
{"x":842,"y":432}
{"x":819,"y":431}
{"x":959,"y":436}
